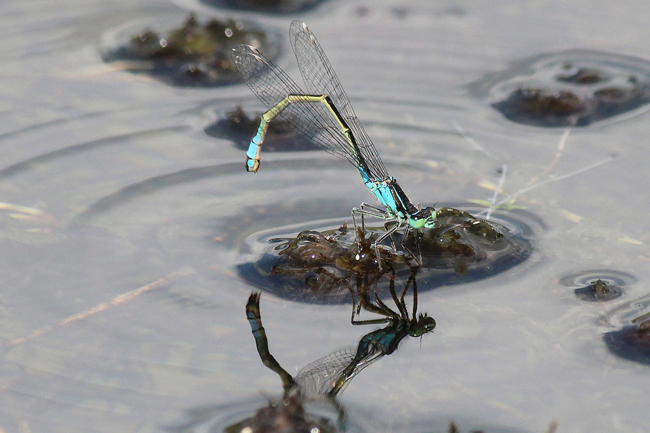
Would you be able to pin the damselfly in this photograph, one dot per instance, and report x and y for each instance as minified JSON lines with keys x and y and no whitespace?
{"x":327,"y":376}
{"x":330,"y":374}
{"x":325,"y":116}
{"x":288,"y":414}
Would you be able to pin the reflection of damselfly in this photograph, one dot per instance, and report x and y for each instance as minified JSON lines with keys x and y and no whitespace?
{"x":327,"y":376}
{"x":330,"y":374}
{"x":324,"y":115}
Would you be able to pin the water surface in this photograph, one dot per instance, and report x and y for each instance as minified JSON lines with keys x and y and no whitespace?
{"x":123,"y":223}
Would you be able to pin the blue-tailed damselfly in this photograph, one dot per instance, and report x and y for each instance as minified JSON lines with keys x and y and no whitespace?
{"x":325,"y":116}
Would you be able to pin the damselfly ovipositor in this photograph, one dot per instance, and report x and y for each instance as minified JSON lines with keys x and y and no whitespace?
{"x":325,"y":116}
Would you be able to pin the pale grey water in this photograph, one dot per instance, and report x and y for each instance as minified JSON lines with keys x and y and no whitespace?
{"x":123,"y":189}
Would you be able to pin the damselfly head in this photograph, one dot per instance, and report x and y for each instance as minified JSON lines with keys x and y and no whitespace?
{"x":422,"y":326}
{"x":423,"y":218}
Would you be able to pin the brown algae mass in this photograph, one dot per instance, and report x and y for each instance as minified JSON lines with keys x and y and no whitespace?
{"x":598,"y":291}
{"x":239,"y":127}
{"x":326,"y":266}
{"x":631,"y":342}
{"x":544,"y":107}
{"x":570,"y":88}
{"x":284,"y":415}
{"x":630,"y":337}
{"x":458,"y":241}
{"x":598,"y":285}
{"x":193,"y":54}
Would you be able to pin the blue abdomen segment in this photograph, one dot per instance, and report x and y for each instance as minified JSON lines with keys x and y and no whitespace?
{"x":383,"y":190}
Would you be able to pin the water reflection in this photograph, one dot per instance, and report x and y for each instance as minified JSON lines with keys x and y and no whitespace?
{"x":323,"y":379}
{"x":329,"y":375}
{"x":288,"y":413}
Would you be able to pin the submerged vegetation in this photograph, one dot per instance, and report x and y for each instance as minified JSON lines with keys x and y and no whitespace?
{"x":571,"y":88}
{"x":598,"y":291}
{"x":194,"y":54}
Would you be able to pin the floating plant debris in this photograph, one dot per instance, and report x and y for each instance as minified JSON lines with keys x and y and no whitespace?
{"x":598,"y":286}
{"x":458,"y":241}
{"x":278,"y":7}
{"x":544,"y":107}
{"x":630,"y":338}
{"x":570,"y":88}
{"x":631,"y":342}
{"x":238,"y":127}
{"x":193,"y":54}
{"x":322,"y":266}
{"x":598,"y":291}
{"x":284,"y":415}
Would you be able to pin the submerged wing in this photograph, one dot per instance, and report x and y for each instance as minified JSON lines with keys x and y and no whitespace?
{"x":319,"y":377}
{"x":311,"y":120}
{"x":320,"y":79}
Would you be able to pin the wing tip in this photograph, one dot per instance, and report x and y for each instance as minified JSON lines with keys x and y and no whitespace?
{"x":297,"y":26}
{"x":241,"y":51}
{"x":245,"y":48}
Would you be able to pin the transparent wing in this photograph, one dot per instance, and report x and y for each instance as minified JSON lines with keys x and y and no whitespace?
{"x":320,"y":79}
{"x":319,"y":377}
{"x":311,"y":120}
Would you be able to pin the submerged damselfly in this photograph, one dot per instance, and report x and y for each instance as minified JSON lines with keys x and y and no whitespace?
{"x":325,"y":116}
{"x":329,"y":375}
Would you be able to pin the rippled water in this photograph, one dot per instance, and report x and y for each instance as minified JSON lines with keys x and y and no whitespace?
{"x":123,"y":224}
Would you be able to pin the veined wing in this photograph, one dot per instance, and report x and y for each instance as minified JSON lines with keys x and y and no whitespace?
{"x":320,"y":376}
{"x":311,"y":120}
{"x":320,"y":79}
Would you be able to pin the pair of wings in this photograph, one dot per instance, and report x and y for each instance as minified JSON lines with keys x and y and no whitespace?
{"x":311,"y":120}
{"x":319,"y":377}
